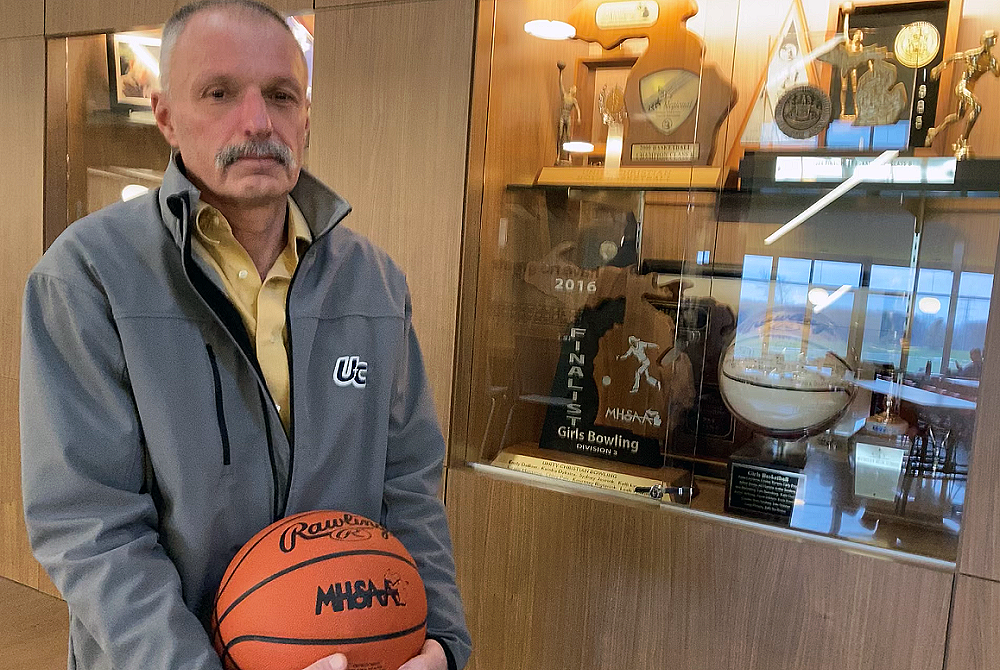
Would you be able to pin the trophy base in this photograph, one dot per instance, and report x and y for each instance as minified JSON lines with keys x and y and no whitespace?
{"x":766,"y":478}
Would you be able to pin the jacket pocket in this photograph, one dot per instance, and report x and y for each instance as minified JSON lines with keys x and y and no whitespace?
{"x":220,"y":413}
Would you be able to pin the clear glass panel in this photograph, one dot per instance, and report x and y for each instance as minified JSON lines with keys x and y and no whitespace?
{"x":825,"y":340}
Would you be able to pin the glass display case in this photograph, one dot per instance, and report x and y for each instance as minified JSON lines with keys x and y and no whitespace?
{"x":757,"y":320}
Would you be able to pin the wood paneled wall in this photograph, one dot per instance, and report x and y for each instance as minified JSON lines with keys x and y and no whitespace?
{"x":553,"y":580}
{"x":979,"y":551}
{"x":389,"y":133}
{"x":22,"y":123}
{"x":974,"y":639}
{"x":65,"y":17}
{"x":23,"y":18}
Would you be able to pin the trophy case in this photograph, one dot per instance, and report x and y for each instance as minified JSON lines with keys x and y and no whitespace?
{"x":766,"y":303}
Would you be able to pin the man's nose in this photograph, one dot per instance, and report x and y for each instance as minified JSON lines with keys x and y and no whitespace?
{"x":254,"y":114}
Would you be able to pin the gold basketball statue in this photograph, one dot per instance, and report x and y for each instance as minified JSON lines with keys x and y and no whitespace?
{"x":977,"y":62}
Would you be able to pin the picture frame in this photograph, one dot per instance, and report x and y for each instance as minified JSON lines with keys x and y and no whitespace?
{"x":133,"y":69}
{"x":590,"y":77}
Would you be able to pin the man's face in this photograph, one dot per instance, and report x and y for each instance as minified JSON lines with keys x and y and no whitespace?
{"x":236,"y":102}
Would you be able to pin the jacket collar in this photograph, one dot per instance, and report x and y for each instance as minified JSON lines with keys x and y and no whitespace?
{"x":322,"y":208}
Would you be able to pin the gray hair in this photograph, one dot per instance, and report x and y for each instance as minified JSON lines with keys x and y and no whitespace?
{"x":175,"y":25}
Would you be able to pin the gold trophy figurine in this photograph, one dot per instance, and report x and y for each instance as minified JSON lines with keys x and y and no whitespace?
{"x":847,"y":57}
{"x":978,"y":62}
{"x":569,"y":105}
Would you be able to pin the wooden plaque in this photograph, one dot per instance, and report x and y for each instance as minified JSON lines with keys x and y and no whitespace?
{"x":675,"y":102}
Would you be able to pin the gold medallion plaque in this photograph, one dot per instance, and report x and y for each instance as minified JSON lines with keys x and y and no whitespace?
{"x":917,"y":44}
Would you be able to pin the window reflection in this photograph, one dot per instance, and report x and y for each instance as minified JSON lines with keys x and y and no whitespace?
{"x":948,"y":326}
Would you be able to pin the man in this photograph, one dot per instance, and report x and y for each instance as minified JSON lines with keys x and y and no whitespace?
{"x":206,"y":359}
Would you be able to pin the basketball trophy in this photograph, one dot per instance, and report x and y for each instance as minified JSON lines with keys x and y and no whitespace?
{"x":781,"y":376}
{"x":568,"y":106}
{"x":977,"y":62}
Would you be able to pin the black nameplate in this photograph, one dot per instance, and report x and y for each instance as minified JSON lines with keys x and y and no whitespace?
{"x":762,"y":492}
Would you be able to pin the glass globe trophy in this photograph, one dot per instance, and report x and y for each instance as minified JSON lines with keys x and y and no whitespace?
{"x":780,"y":375}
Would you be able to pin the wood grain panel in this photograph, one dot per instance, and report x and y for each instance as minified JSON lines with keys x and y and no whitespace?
{"x":23,"y":19}
{"x":65,"y":17}
{"x":325,"y":4}
{"x":557,"y":581}
{"x":974,"y":636}
{"x":33,"y":629}
{"x":980,"y":542}
{"x":979,"y":549}
{"x":461,"y":398}
{"x":389,"y":133}
{"x":22,"y":122}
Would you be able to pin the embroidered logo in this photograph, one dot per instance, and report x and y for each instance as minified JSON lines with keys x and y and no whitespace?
{"x":350,"y":370}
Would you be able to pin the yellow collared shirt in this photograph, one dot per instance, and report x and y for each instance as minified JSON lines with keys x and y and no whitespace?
{"x":261,"y":304}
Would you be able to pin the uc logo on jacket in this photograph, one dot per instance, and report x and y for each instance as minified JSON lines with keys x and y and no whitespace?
{"x":350,"y":370}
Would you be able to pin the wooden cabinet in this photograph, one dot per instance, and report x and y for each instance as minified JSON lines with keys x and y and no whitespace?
{"x":555,"y":580}
{"x":559,"y":573}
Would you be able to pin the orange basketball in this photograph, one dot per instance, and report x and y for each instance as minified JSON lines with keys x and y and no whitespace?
{"x":315,"y":584}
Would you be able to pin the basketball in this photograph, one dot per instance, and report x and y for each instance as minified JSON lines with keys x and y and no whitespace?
{"x":315,"y":584}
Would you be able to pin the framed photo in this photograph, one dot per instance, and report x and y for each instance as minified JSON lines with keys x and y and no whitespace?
{"x":133,"y":69}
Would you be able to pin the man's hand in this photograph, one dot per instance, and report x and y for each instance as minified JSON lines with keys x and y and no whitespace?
{"x":334,"y":662}
{"x":431,"y":657}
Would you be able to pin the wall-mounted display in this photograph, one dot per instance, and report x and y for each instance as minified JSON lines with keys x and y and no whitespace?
{"x":794,"y":343}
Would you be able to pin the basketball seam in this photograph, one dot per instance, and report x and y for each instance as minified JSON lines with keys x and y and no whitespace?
{"x":323,"y":641}
{"x":311,"y":561}
{"x":837,"y":389}
{"x":246,"y":550}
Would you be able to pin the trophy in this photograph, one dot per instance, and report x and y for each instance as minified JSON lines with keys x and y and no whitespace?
{"x":876,"y":98}
{"x":567,"y":107}
{"x":977,"y":62}
{"x":781,"y":376}
{"x":675,"y":102}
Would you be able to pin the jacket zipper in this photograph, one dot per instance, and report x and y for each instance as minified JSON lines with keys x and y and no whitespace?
{"x":220,"y":413}
{"x":291,"y":365}
{"x":185,"y":255}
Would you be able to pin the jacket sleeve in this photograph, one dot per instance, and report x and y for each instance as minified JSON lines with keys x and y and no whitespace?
{"x":411,"y":506}
{"x":91,"y":521}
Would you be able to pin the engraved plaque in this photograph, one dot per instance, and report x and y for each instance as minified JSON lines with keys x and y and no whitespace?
{"x":668,"y":98}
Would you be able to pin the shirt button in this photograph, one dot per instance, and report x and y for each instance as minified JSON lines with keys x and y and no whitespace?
{"x":277,"y":407}
{"x":243,"y":274}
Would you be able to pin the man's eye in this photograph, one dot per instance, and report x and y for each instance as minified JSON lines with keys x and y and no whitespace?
{"x":217,"y":93}
{"x":282,"y":96}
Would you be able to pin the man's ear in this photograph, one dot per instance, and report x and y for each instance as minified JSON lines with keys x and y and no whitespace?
{"x":164,"y":121}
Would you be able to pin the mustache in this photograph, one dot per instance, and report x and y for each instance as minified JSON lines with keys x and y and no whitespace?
{"x":259,"y":148}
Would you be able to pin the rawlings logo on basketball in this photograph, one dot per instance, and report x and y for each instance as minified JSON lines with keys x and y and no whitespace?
{"x":347,"y":528}
{"x":350,"y":370}
{"x":358,"y":595}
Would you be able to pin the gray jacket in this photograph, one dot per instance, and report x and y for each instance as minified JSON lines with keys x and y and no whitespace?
{"x":151,"y":449}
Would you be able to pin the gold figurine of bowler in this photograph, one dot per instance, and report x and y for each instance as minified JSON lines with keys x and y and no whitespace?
{"x":978,"y":62}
